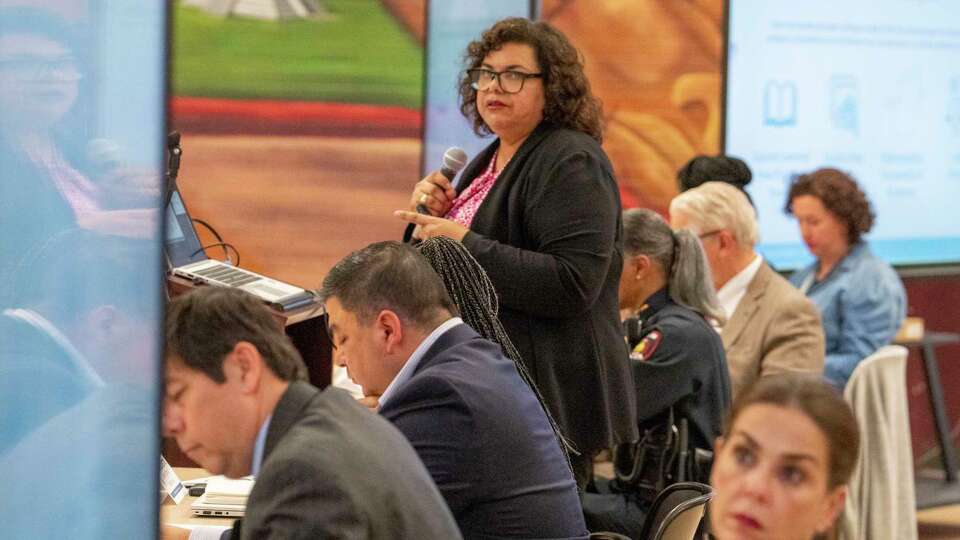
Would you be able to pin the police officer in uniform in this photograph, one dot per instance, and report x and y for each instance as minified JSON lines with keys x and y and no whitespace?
{"x":677,"y":358}
{"x":678,"y":361}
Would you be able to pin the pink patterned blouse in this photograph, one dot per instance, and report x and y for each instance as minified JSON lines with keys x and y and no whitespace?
{"x":80,"y":193}
{"x":466,"y":204}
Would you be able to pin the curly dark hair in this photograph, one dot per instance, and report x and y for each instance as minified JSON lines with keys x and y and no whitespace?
{"x":840,"y":194}
{"x":569,"y":102}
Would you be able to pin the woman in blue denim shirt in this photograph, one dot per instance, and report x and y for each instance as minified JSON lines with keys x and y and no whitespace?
{"x":861,"y":299}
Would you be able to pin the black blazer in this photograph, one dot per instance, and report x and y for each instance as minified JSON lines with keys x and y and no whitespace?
{"x":333,"y":469}
{"x":549,"y":235}
{"x":486,"y":441}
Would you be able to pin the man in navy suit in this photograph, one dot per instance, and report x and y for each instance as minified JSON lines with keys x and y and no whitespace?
{"x":479,"y":429}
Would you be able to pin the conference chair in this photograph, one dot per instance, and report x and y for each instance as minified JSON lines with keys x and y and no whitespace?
{"x":881,"y":504}
{"x":605,"y":535}
{"x":677,"y":511}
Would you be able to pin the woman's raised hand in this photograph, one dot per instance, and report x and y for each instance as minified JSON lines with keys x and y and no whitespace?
{"x":435,"y":192}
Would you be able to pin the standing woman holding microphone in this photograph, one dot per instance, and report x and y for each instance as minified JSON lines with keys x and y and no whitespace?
{"x":540,"y":210}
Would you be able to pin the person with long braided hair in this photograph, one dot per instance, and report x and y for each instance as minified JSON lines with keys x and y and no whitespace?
{"x":472,"y":291}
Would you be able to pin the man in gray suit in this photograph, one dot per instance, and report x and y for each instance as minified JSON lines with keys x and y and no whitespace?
{"x":771,"y":326}
{"x":326,"y":467}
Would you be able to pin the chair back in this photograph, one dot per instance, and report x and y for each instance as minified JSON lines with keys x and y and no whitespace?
{"x":684,"y":521}
{"x":881,"y":503}
{"x":606,"y":535}
{"x":677,"y":511}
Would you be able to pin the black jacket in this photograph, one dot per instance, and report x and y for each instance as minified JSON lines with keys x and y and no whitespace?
{"x":549,"y":235}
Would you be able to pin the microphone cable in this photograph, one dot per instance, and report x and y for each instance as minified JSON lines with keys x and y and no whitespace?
{"x":220,"y":242}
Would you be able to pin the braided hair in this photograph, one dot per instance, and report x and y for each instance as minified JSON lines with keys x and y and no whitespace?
{"x":472,"y":291}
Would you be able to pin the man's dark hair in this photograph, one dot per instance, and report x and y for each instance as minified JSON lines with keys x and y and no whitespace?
{"x":720,"y":168}
{"x":203,"y":326}
{"x":388,"y":275}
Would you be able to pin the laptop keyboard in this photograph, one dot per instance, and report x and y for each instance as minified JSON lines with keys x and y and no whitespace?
{"x":233,"y":277}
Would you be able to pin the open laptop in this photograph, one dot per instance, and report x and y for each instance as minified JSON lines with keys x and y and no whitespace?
{"x":205,"y":509}
{"x":185,"y":258}
{"x":223,"y":497}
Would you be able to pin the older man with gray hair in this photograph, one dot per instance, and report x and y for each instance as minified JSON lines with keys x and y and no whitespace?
{"x":771,"y":327}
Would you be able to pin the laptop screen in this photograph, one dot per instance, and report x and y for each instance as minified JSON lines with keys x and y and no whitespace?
{"x":181,"y":244}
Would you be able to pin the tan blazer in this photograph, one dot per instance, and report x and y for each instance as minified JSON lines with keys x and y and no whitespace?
{"x":774,"y":329}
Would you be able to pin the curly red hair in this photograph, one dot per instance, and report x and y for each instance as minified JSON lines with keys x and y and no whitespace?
{"x":840,"y":194}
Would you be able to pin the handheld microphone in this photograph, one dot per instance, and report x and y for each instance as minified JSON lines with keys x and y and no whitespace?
{"x":454,"y":159}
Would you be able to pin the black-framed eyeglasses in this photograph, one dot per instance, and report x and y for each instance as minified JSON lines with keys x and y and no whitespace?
{"x":510,"y":81}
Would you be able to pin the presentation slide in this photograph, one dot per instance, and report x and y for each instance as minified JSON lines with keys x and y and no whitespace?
{"x":452,"y":25}
{"x":871,"y":87}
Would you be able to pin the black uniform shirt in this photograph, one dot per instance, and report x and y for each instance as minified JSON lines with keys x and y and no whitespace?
{"x":678,"y":360}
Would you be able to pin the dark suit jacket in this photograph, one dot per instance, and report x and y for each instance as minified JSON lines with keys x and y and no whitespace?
{"x":488,"y":444}
{"x":686,"y":370}
{"x":775,"y":329}
{"x":549,"y":236}
{"x":333,"y":469}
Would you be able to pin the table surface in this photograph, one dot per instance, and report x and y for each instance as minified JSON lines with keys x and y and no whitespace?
{"x":180,"y":514}
{"x":932,"y":337}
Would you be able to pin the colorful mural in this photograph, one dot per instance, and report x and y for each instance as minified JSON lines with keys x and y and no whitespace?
{"x":321,"y":114}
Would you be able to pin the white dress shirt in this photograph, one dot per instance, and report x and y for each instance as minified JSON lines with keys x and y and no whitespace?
{"x":733,"y":290}
{"x":407,"y":370}
{"x":215,"y":532}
